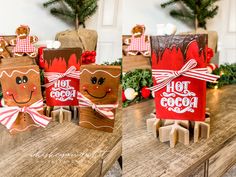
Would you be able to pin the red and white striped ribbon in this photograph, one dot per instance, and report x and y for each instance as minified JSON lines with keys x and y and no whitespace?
{"x":8,"y":115}
{"x":163,"y":77}
{"x":54,"y":76}
{"x":105,"y":110}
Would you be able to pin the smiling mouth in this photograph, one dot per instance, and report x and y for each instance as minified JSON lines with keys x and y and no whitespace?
{"x":23,"y":102}
{"x":97,"y":96}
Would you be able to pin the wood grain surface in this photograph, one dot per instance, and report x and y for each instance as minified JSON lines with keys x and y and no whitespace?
{"x":59,"y":150}
{"x":144,"y":155}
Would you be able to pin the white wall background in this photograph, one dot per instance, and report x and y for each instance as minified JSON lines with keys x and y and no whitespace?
{"x":150,"y":13}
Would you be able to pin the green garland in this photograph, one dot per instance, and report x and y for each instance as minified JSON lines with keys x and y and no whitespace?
{"x":118,"y":62}
{"x":227,"y":75}
{"x":136,"y":79}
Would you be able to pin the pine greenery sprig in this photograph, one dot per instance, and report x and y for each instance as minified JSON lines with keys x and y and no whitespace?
{"x":193,"y":12}
{"x":227,"y":75}
{"x":73,"y":11}
{"x":136,"y":79}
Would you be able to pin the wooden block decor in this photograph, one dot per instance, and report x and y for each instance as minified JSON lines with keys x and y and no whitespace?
{"x":22,"y":94}
{"x":100,"y":85}
{"x":63,"y":65}
{"x":175,"y":131}
{"x":183,"y":95}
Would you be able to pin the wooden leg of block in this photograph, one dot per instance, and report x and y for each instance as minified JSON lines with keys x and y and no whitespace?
{"x":173,"y":137}
{"x":149,"y":123}
{"x":183,"y":135}
{"x":153,"y":126}
{"x":174,"y":133}
{"x":201,"y":130}
{"x":164,"y":133}
{"x":61,"y":114}
{"x":48,"y":111}
{"x":196,"y":132}
{"x":156,"y":126}
{"x":205,"y":130}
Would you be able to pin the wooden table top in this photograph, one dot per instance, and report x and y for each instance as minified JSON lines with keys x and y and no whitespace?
{"x":58,"y":150}
{"x":144,"y":155}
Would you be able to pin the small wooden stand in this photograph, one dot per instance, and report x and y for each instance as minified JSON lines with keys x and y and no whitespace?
{"x":178,"y":130}
{"x":61,"y":113}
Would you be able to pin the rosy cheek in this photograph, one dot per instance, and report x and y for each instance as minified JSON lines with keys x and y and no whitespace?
{"x":84,"y":87}
{"x":95,"y":87}
{"x":9,"y":93}
{"x":108,"y":89}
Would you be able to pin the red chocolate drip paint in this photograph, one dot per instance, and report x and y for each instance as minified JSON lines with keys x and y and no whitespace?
{"x":65,"y":54}
{"x":160,"y":43}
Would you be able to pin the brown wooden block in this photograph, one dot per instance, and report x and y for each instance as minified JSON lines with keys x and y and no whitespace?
{"x":20,"y":87}
{"x":100,"y":84}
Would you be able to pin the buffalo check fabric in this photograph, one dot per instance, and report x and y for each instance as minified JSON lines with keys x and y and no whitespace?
{"x":138,"y":44}
{"x":24,"y":45}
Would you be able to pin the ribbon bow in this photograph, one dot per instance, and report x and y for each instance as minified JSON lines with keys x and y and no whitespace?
{"x":54,"y":76}
{"x":104,"y":110}
{"x":8,"y":115}
{"x":163,"y":77}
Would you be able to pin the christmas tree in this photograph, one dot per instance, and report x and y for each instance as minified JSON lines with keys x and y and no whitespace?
{"x":74,"y":11}
{"x":195,"y":12}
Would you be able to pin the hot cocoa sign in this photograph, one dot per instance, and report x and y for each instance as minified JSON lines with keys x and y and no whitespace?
{"x":178,"y":98}
{"x":179,"y":74}
{"x":62,"y":91}
{"x":62,"y":76}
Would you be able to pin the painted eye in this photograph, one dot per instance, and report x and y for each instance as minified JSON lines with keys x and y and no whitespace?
{"x":25,"y":79}
{"x":18,"y":80}
{"x":101,"y":80}
{"x":93,"y":80}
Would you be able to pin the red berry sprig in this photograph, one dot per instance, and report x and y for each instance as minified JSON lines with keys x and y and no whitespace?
{"x":88,"y":57}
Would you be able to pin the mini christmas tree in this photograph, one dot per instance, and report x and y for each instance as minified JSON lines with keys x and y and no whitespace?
{"x":76,"y":11}
{"x":195,"y":12}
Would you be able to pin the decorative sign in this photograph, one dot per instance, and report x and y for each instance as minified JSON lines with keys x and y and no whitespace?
{"x":98,"y":97}
{"x":62,"y":76}
{"x":178,"y":98}
{"x":22,"y":96}
{"x":180,"y":75}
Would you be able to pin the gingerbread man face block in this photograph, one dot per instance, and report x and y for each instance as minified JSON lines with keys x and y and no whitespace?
{"x":100,"y":85}
{"x":21,"y":87}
